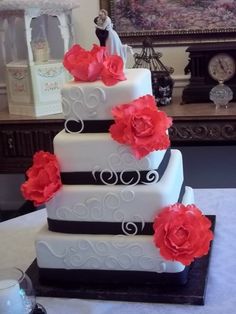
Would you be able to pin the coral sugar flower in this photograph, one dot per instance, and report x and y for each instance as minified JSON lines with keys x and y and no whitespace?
{"x":141,"y":125}
{"x":43,"y":178}
{"x":182,"y":233}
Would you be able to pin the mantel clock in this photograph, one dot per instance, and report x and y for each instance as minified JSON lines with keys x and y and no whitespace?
{"x":208,"y":65}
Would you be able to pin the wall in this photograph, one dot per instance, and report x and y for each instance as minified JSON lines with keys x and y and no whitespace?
{"x":209,"y":166}
{"x":85,"y":35}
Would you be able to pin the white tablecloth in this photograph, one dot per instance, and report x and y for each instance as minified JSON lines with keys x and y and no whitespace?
{"x":17,"y":249}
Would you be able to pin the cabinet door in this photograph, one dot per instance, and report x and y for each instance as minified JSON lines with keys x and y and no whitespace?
{"x":18,"y":143}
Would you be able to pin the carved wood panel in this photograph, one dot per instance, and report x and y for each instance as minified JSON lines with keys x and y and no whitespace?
{"x":220,"y":131}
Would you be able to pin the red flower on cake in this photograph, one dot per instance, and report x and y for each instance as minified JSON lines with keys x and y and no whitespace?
{"x":112,"y":71}
{"x":84,"y":65}
{"x":182,"y":233}
{"x":141,"y":125}
{"x":91,"y":65}
{"x":43,"y":178}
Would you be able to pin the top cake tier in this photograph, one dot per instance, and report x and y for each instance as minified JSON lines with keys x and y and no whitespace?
{"x":86,"y":101}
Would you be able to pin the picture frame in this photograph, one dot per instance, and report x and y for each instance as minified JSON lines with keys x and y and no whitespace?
{"x":172,"y":22}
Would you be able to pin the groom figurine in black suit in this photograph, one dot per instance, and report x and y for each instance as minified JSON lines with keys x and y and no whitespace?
{"x":102,"y":34}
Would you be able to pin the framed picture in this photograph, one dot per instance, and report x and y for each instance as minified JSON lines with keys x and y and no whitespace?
{"x":173,"y":22}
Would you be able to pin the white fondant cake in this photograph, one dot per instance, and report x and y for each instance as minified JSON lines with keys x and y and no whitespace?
{"x":105,"y":252}
{"x":101,"y":218}
{"x":110,"y":202}
{"x":94,"y":100}
{"x":97,"y":151}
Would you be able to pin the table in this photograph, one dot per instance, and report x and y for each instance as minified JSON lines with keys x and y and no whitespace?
{"x":17,"y":249}
{"x":193,"y":124}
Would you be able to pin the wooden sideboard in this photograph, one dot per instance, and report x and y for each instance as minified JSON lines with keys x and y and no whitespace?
{"x":202,"y":124}
{"x":21,"y":137}
{"x":193,"y":124}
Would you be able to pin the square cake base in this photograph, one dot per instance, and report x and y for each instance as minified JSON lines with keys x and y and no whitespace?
{"x":191,"y":293}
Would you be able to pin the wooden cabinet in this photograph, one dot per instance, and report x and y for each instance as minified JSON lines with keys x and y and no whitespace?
{"x":202,"y":124}
{"x":193,"y":124}
{"x":21,"y":137}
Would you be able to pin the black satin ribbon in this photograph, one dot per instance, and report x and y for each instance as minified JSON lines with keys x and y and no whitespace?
{"x":70,"y":278}
{"x":97,"y":227}
{"x":181,"y":193}
{"x":86,"y":177}
{"x":90,"y":126}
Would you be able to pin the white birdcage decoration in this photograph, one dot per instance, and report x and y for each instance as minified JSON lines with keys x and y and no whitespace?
{"x":34,"y":79}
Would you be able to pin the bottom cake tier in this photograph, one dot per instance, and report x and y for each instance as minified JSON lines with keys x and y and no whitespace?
{"x":90,"y":258}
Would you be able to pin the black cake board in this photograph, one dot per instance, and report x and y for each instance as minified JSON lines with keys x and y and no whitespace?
{"x":193,"y":293}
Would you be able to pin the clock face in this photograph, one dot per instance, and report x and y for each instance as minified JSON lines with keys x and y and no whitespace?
{"x":222,"y":67}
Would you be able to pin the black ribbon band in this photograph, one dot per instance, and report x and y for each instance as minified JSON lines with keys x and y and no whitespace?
{"x":90,"y":126}
{"x":72,"y":277}
{"x":97,"y":227}
{"x":87,"y":177}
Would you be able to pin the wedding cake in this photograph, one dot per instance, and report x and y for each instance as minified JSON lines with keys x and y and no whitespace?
{"x":117,"y":205}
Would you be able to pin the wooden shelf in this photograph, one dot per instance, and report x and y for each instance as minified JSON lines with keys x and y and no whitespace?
{"x":199,"y":111}
{"x":6,"y":117}
{"x":193,"y":124}
{"x":201,"y":124}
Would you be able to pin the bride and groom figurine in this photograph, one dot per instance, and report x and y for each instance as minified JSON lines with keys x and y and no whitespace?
{"x":109,"y":38}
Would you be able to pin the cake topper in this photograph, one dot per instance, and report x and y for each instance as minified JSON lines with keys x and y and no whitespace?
{"x":101,"y":33}
{"x":108,"y":36}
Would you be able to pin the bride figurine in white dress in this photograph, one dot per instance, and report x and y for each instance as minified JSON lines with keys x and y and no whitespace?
{"x":113,"y":43}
